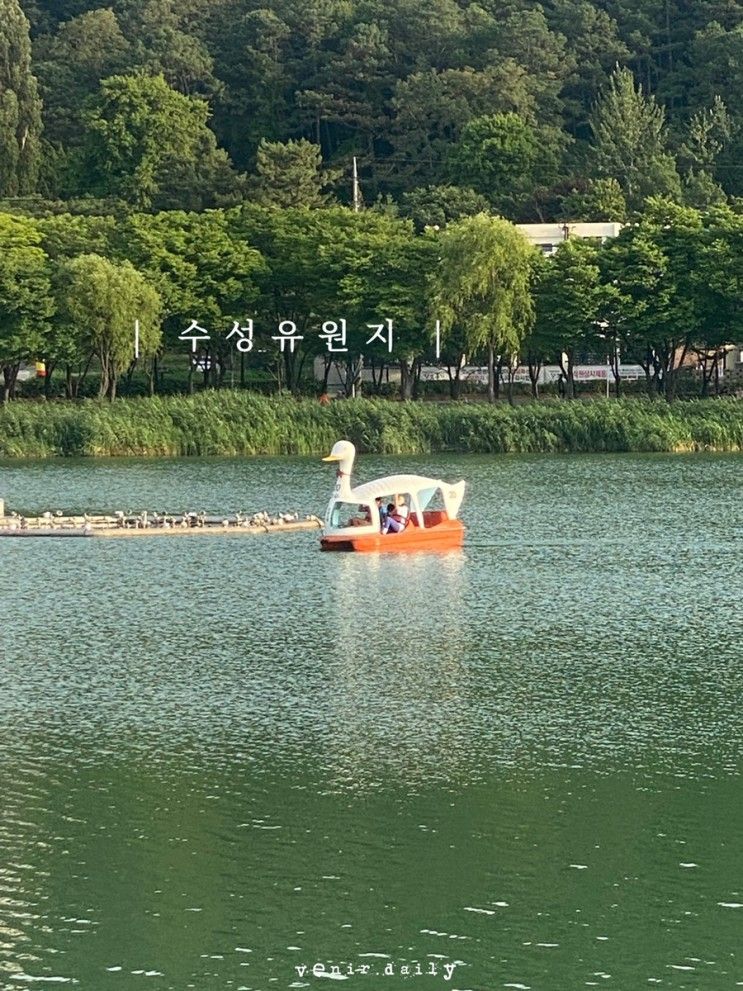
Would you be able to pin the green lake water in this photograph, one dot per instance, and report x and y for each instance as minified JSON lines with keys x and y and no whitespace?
{"x":225,"y":760}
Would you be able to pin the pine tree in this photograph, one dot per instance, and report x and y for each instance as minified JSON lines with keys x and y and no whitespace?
{"x":630,"y":141}
{"x":290,"y":174}
{"x":20,"y":106}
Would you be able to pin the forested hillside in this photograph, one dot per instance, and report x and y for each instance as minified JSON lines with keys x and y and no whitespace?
{"x":185,"y":167}
{"x":539,"y":111}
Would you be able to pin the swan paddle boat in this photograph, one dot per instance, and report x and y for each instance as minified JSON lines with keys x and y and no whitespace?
{"x":353,"y":521}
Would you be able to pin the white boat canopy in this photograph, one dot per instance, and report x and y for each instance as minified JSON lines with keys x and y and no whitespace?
{"x":420,"y":488}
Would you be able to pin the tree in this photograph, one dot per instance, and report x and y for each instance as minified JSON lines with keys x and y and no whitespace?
{"x":567,"y":304}
{"x":709,"y":133}
{"x":381,"y":268}
{"x":164,"y":41}
{"x":657,"y":307}
{"x":595,"y":200}
{"x":100,"y":301}
{"x":20,"y":106}
{"x":524,"y":35}
{"x":629,"y":141}
{"x":481,"y":286}
{"x":26,"y":302}
{"x":591,"y":37}
{"x":345,"y":105}
{"x":716,"y":58}
{"x":151,"y":146}
{"x":290,"y":174}
{"x":436,"y":206}
{"x":202,"y":269}
{"x":71,"y":65}
{"x":251,"y":61}
{"x":431,"y":108}
{"x":539,"y":345}
{"x":717,"y":280}
{"x":296,"y":284}
{"x":497,"y":156}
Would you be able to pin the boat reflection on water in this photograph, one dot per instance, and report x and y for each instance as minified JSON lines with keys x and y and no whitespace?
{"x":401,"y":688}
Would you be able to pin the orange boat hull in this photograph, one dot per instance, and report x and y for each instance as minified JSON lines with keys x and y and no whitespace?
{"x":444,"y":536}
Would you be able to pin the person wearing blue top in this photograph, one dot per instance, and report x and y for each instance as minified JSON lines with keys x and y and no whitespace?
{"x":382,"y":512}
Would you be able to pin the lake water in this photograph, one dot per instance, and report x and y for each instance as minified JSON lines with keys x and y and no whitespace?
{"x":227,"y":761}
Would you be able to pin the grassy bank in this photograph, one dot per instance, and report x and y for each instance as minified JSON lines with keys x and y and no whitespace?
{"x":244,"y":423}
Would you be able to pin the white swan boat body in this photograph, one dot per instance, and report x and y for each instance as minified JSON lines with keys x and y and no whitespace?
{"x":352,"y":519}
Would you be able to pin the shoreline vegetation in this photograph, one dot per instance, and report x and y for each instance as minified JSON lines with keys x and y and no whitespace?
{"x":245,"y":424}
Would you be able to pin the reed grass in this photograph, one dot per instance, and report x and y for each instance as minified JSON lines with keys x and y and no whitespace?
{"x":242,"y":423}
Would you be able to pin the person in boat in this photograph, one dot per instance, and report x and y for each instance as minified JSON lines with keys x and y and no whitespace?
{"x":399,"y":514}
{"x":363,"y":519}
{"x":383,"y":512}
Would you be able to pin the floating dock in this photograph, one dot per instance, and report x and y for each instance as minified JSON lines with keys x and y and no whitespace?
{"x":146,"y":525}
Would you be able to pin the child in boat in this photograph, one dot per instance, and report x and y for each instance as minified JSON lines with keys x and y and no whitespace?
{"x":398,"y":516}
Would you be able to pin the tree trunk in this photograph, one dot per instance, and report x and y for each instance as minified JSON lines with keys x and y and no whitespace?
{"x":672,"y":369}
{"x":491,"y":374}
{"x":352,"y":384}
{"x":10,"y":374}
{"x":498,"y":375}
{"x":567,"y":362}
{"x":103,"y":384}
{"x":299,"y":369}
{"x":417,"y":369}
{"x":406,"y":381}
{"x":207,"y":368}
{"x":290,"y":370}
{"x":710,"y":369}
{"x":70,"y":384}
{"x":455,"y":381}
{"x":535,"y":367}
{"x":646,"y":366}
{"x":377,"y":380}
{"x":49,"y":368}
{"x":327,"y":365}
{"x":616,"y":372}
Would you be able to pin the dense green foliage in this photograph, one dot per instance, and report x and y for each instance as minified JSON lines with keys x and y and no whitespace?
{"x":20,"y":106}
{"x":363,"y":290}
{"x":244,"y":424}
{"x":515,"y":100}
{"x":202,"y":151}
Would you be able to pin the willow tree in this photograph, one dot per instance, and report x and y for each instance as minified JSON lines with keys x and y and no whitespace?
{"x":482,"y":288}
{"x":100,"y":302}
{"x":20,"y":106}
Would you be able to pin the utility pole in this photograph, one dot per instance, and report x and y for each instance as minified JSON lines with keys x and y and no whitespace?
{"x":356,"y":189}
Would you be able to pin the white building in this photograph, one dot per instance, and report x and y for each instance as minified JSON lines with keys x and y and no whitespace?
{"x":548,"y":237}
